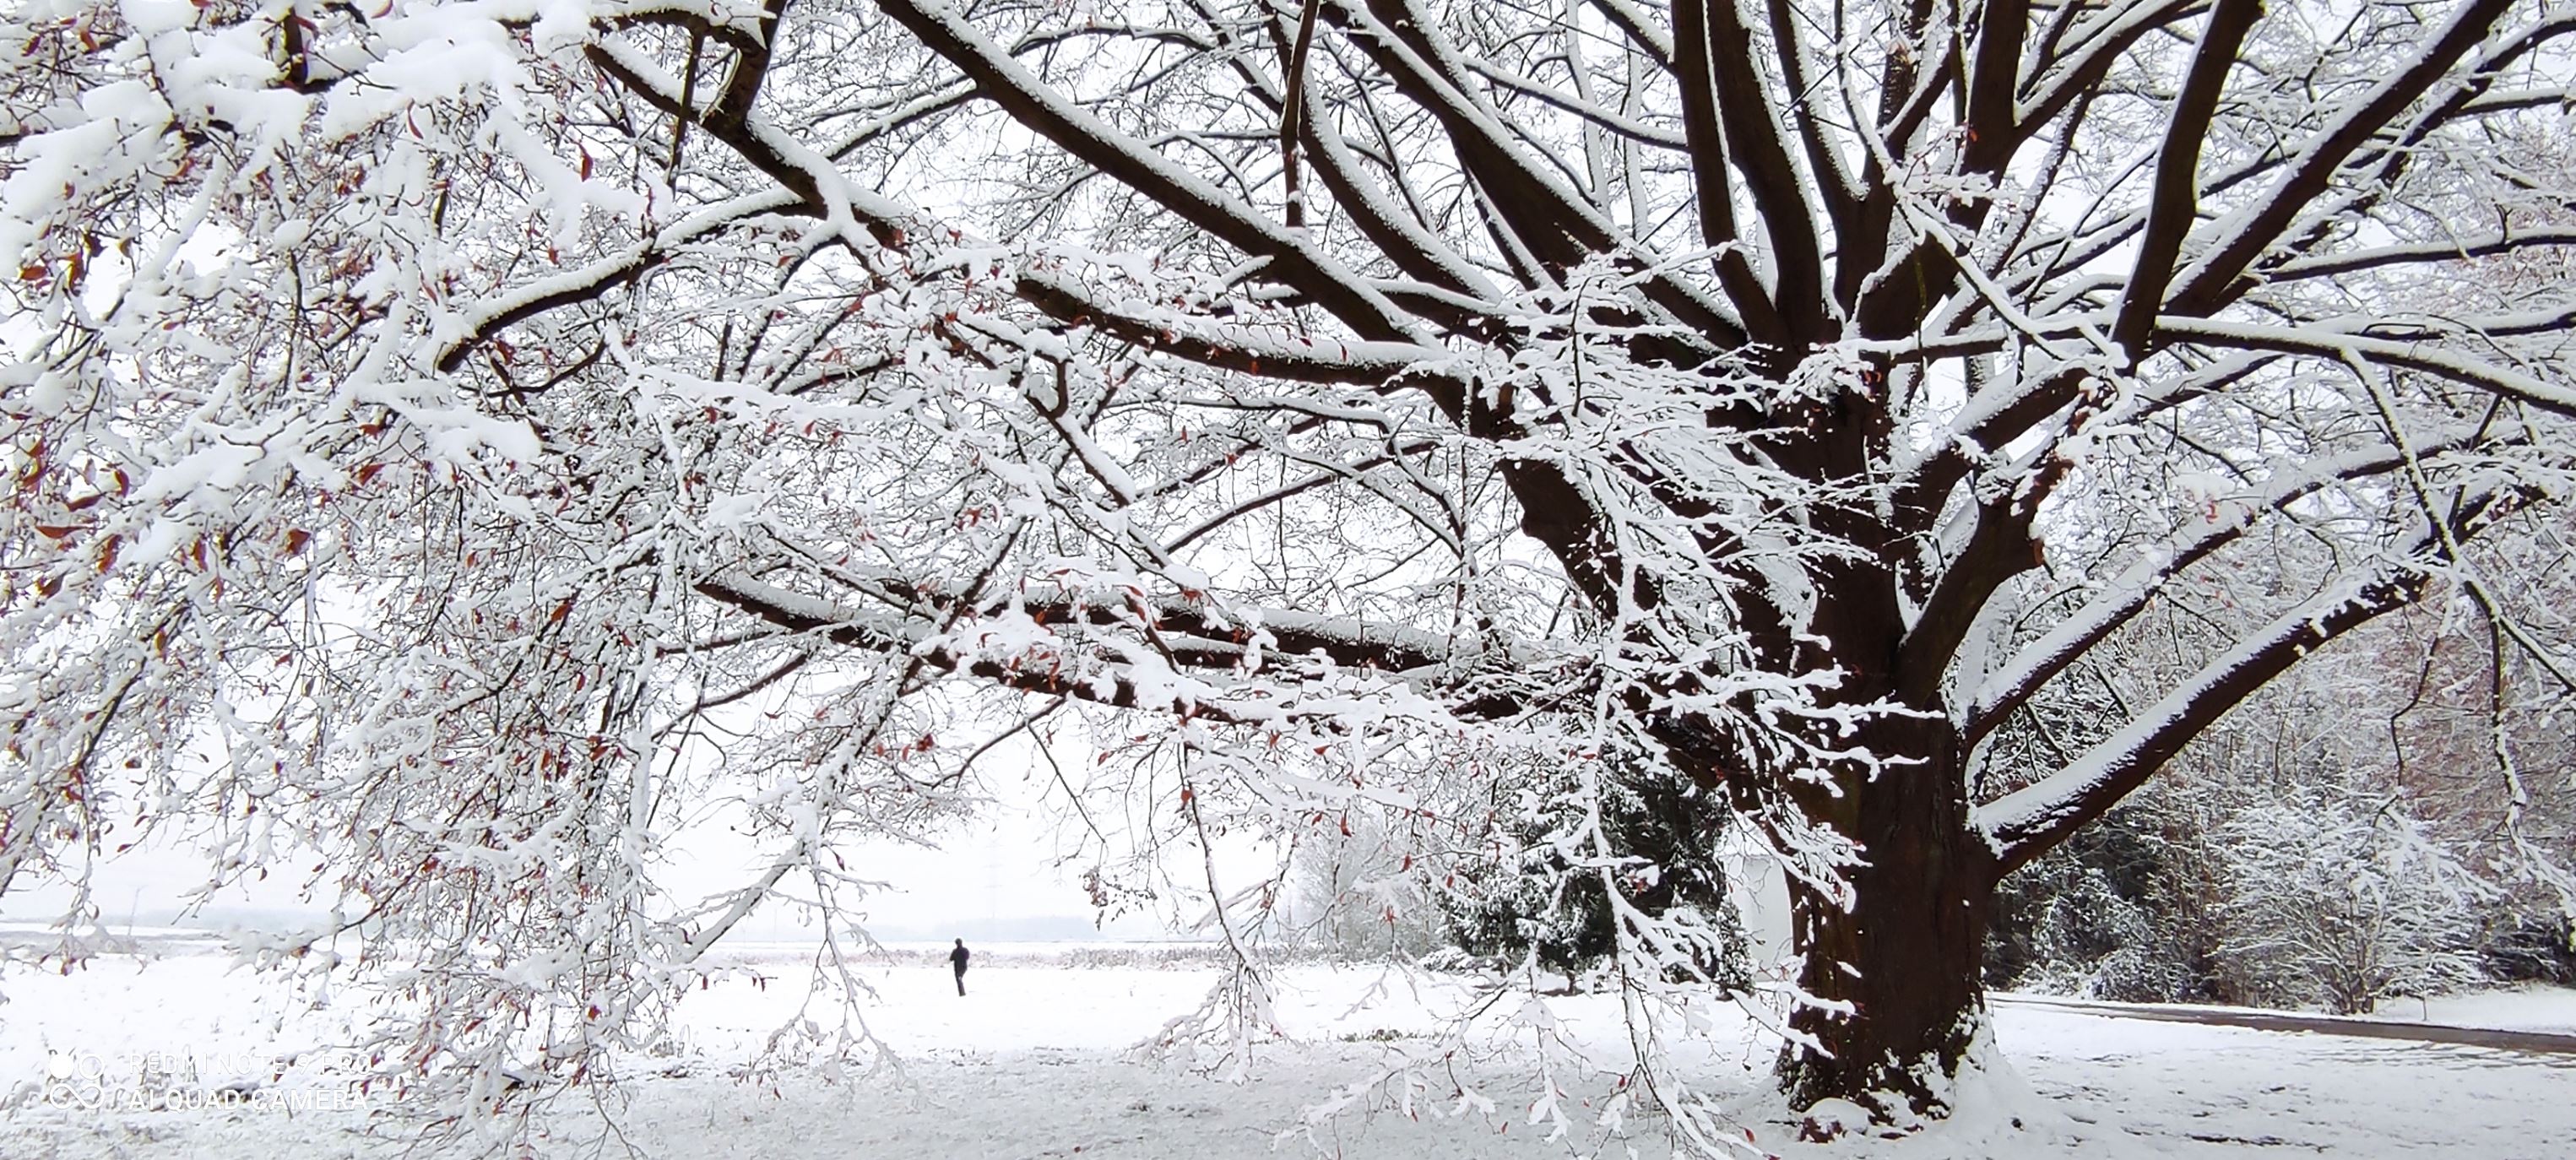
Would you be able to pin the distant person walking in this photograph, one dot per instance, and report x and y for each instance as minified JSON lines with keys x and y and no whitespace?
{"x":957,"y":960}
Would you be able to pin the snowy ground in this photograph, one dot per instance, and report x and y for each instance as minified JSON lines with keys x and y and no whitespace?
{"x":1032,"y":1064}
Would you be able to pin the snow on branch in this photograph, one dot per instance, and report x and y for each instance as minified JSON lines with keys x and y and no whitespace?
{"x":1234,"y":347}
{"x":2482,"y":374}
{"x":2025,"y":823}
{"x":2246,"y":235}
{"x":1018,"y":648}
{"x":2121,"y":598}
{"x":1039,"y":106}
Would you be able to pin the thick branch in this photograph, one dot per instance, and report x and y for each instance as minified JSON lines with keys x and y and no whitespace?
{"x":2127,"y":595}
{"x":2447,"y":250}
{"x":1743,"y":107}
{"x":1713,"y":193}
{"x":1361,"y":364}
{"x":2024,"y":824}
{"x":2208,"y":281}
{"x":2415,"y":356}
{"x":1994,"y":76}
{"x":1559,"y":229}
{"x":2174,"y":199}
{"x":1185,"y":633}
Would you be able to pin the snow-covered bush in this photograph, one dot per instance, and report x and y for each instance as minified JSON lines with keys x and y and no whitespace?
{"x":2526,"y":945}
{"x":2383,"y":755}
{"x":1542,"y":900}
{"x":2301,"y":896}
{"x":2098,"y":942}
{"x":2331,"y":902}
{"x":2307,"y":896}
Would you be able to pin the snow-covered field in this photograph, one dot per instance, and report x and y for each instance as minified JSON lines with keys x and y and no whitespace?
{"x":1033,"y":1063}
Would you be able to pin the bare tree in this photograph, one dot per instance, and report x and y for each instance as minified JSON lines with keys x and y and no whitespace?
{"x":460,"y":439}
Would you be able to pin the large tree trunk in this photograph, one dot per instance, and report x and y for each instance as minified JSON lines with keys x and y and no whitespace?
{"x":1907,"y":955}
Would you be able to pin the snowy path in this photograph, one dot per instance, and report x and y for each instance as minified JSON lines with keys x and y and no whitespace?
{"x":2536,"y":1042}
{"x":1032,"y":1065}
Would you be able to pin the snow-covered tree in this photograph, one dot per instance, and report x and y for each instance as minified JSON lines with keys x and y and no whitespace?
{"x":1353,"y":894}
{"x":452,"y":442}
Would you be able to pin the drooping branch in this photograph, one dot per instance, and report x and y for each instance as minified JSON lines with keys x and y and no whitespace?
{"x":1356,"y":473}
{"x":593,"y":282}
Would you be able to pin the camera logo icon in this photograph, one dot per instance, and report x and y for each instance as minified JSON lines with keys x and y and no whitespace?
{"x":75,"y":1079}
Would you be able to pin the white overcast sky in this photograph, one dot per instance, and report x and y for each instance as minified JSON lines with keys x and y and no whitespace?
{"x":994,"y":876}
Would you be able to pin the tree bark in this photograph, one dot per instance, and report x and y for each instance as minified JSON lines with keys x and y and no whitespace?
{"x":1906,"y":955}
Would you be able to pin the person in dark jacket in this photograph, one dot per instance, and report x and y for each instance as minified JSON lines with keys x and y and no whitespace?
{"x":957,"y":959}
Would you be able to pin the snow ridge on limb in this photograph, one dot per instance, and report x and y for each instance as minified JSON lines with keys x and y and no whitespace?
{"x":2123,"y":597}
{"x":2558,"y":398}
{"x":2026,"y":822}
{"x":1022,"y":646}
{"x":1356,"y":362}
